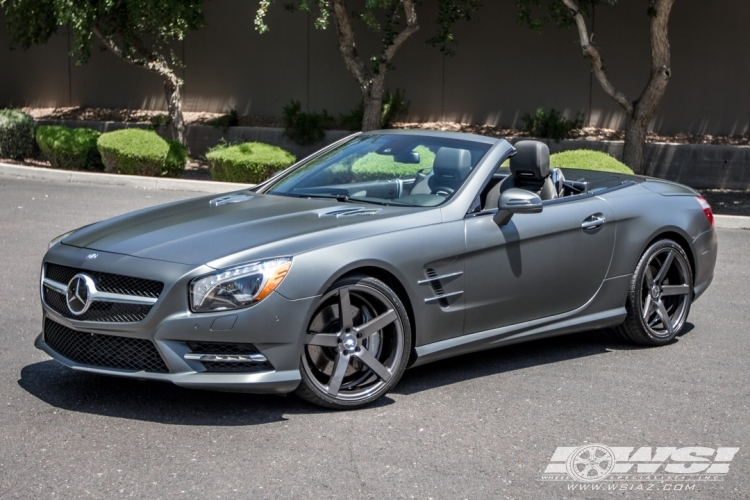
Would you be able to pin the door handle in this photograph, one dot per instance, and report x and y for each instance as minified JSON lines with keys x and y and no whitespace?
{"x":593,"y":222}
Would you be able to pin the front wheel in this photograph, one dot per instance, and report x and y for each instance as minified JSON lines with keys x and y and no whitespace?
{"x":660,"y":295}
{"x":357,"y":344}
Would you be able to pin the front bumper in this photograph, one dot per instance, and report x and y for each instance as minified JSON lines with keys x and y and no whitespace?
{"x":275,"y":327}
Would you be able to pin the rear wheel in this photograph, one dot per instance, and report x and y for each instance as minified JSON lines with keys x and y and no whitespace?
{"x":357,"y":344}
{"x":660,"y":295}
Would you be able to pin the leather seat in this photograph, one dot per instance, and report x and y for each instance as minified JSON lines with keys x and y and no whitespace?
{"x":529,"y":170}
{"x":449,"y":170}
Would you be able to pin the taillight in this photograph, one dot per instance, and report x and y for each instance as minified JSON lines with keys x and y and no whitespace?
{"x":706,"y":209}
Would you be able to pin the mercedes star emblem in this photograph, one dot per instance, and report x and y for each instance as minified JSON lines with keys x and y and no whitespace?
{"x":78,"y":297}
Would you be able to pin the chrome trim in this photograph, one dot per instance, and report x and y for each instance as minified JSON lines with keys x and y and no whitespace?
{"x":226,"y":358}
{"x":439,"y":297}
{"x":97,"y":296}
{"x":443,"y":277}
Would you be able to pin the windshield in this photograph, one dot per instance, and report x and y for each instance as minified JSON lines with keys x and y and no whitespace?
{"x":387,"y":169}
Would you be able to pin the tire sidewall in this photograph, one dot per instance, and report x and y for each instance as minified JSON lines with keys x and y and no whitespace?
{"x":307,"y":386}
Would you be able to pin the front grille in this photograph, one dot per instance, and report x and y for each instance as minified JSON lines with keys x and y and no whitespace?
{"x":106,"y":282}
{"x":223,"y":366}
{"x":107,"y":312}
{"x":107,"y":351}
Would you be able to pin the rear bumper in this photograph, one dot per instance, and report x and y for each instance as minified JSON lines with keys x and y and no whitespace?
{"x":705,"y":250}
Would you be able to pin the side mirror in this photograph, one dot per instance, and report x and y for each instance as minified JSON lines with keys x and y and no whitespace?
{"x":408,"y":157}
{"x":517,"y":201}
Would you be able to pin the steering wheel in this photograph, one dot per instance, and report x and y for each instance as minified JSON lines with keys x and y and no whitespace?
{"x":443,"y":191}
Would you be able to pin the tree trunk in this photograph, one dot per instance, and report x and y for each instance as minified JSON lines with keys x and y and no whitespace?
{"x":372,"y":119}
{"x":635,"y":143}
{"x":172,"y":89}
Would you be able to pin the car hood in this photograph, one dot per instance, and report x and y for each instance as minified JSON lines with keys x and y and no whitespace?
{"x":202,"y":230}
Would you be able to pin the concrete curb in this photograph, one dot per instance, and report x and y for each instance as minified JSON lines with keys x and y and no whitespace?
{"x":101,"y":179}
{"x":722,"y":221}
{"x":731,"y":222}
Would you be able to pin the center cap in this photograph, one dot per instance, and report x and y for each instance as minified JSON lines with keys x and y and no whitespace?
{"x":350,"y":342}
{"x":655,"y":292}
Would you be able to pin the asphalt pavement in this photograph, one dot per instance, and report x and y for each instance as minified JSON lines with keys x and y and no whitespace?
{"x":478,"y":426}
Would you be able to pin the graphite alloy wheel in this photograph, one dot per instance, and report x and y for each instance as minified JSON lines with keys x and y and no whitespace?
{"x":357,"y":344}
{"x":660,"y":295}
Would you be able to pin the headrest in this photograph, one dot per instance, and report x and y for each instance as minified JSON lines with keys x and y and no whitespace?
{"x":531,"y":161}
{"x":451,"y":165}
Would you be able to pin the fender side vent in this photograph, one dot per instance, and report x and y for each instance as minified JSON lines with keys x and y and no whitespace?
{"x":437,"y":287}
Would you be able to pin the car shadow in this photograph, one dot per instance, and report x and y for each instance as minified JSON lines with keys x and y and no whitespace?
{"x":165,"y":403}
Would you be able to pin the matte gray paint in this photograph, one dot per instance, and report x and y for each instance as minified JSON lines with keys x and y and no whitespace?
{"x":540,"y":275}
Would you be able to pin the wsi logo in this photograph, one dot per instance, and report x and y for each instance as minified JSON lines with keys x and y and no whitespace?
{"x":597,"y":462}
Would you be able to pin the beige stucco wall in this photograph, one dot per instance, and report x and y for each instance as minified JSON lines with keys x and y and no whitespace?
{"x":501,"y":71}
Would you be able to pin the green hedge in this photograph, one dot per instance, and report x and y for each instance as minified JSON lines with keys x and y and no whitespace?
{"x":249,"y":162}
{"x":70,"y":148}
{"x":587,"y":159}
{"x":375,"y":166}
{"x":16,"y":134}
{"x":141,"y":152}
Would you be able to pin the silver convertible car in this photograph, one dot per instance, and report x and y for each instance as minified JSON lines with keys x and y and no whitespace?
{"x":383,"y":251}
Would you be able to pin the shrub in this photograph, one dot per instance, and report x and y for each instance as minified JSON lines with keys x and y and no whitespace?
{"x":375,"y":166}
{"x":249,"y":162}
{"x":16,"y":134}
{"x":141,"y":152}
{"x":550,"y":125}
{"x":305,"y":128}
{"x":395,"y":107}
{"x":231,"y":119}
{"x":352,"y":121}
{"x":70,"y":148}
{"x":588,"y":160}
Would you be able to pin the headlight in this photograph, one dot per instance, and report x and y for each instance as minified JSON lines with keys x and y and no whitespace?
{"x":60,"y":238}
{"x":238,"y":287}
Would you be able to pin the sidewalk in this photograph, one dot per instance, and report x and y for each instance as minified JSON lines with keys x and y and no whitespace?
{"x":211,"y":187}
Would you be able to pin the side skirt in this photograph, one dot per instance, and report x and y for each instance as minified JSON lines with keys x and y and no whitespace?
{"x":605,"y":309}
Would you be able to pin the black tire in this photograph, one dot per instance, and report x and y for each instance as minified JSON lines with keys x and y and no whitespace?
{"x":370,"y":361}
{"x":660,"y":296}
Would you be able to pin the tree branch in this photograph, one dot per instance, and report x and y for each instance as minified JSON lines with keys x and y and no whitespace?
{"x":590,"y":51}
{"x":411,"y":28}
{"x":348,"y":45}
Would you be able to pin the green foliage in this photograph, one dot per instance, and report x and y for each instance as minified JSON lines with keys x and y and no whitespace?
{"x":450,"y":12}
{"x":159,"y":121}
{"x":249,"y":162}
{"x":395,"y":107}
{"x":374,"y":166}
{"x":70,"y":148}
{"x":550,"y":125}
{"x":135,"y":151}
{"x":231,"y":119}
{"x":139,"y":27}
{"x":16,"y":134}
{"x":586,"y":159}
{"x":305,"y":128}
{"x":536,"y":13}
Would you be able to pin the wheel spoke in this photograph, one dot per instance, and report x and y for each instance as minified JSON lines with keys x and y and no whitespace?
{"x":345,"y":309}
{"x":675,"y":290}
{"x":375,"y":365}
{"x":649,"y":277}
{"x":322,"y":339}
{"x":647,"y":307}
{"x":337,"y":375}
{"x":664,"y":316}
{"x":377,"y":324}
{"x":664,"y":268}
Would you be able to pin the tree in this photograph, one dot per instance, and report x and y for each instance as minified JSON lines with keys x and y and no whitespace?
{"x":640,"y":111}
{"x":397,"y":21}
{"x":137,"y":31}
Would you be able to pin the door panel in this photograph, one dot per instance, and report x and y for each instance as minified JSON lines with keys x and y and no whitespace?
{"x":537,"y":265}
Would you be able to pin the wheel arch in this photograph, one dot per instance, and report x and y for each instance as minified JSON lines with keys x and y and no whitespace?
{"x":681,"y":240}
{"x":395,"y":284}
